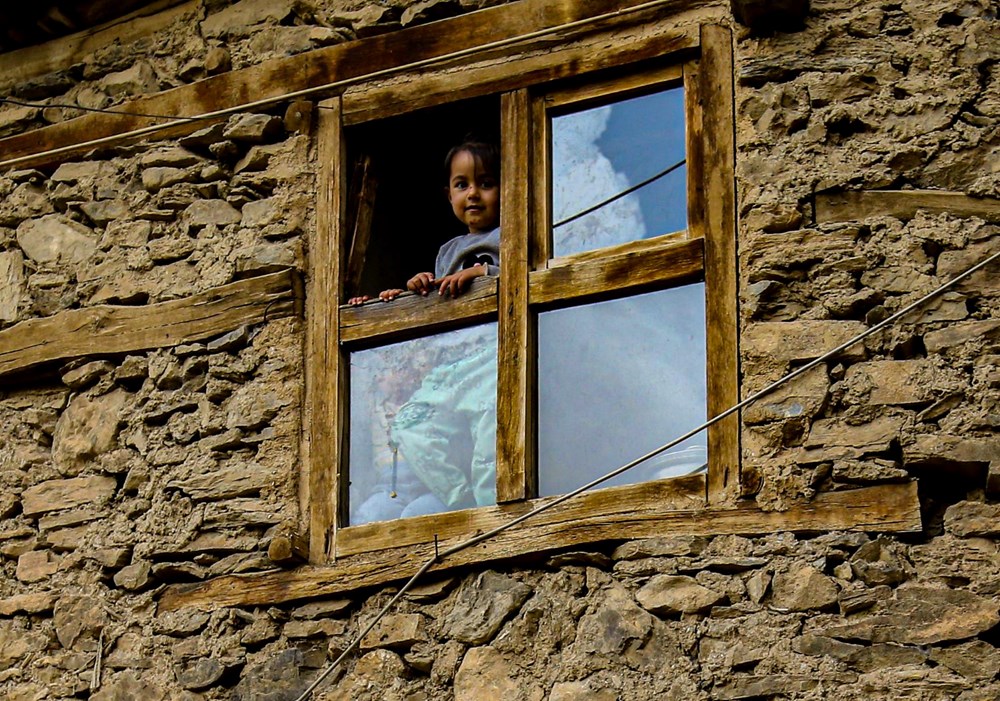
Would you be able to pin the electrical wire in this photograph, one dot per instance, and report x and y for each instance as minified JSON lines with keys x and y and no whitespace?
{"x":99,"y":110}
{"x":626,"y":191}
{"x":475,"y":540}
{"x":333,"y":85}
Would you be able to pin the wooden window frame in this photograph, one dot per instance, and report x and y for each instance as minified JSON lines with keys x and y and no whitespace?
{"x":701,"y":58}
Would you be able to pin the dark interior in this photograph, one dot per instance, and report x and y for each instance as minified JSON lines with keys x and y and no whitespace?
{"x":412,"y":217}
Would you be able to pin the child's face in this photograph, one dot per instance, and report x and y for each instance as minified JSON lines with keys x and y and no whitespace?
{"x":473,"y":194}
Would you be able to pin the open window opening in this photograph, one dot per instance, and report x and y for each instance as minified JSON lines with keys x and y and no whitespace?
{"x":398,"y":214}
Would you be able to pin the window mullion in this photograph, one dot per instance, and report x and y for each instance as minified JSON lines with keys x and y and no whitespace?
{"x":515,"y":366}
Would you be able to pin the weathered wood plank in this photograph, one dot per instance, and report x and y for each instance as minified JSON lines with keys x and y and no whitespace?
{"x":611,"y":504}
{"x":884,"y":508}
{"x":411,"y":314}
{"x":694,"y":151}
{"x":515,"y":382}
{"x":108,"y":329}
{"x":326,"y":383}
{"x":330,"y":69}
{"x":515,"y":71}
{"x":633,"y":268}
{"x":63,"y":53}
{"x":620,"y":85}
{"x":719,"y":186}
{"x":902,"y":204}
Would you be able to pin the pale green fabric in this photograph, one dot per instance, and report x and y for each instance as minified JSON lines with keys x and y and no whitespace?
{"x":447,"y":431}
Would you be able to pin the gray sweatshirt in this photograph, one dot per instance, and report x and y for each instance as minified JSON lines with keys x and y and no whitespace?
{"x":468,"y":250}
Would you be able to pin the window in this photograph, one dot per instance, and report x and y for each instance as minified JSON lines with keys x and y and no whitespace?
{"x":610,"y":329}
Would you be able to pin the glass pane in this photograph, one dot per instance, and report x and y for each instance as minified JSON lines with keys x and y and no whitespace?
{"x":423,"y":426}
{"x":599,"y":153}
{"x":617,"y":379}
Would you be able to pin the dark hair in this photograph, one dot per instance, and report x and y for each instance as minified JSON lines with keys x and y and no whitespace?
{"x":486,"y":155}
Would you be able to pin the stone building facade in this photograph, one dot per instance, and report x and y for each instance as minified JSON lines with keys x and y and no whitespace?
{"x":867,"y":144}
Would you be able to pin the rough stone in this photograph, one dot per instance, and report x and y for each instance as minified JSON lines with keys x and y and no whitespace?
{"x":55,"y":238}
{"x":831,"y":439}
{"x":78,"y":619}
{"x":127,"y":687}
{"x":229,"y":482}
{"x":243,"y":17}
{"x":139,"y":79}
{"x":486,"y":674}
{"x":201,"y":674}
{"x":779,"y":343}
{"x":105,"y":211}
{"x":277,"y":678}
{"x":958,"y":334}
{"x":155,"y":179}
{"x":83,"y":376}
{"x":581,"y":691}
{"x":894,"y":382}
{"x":88,"y":428}
{"x":38,"y":602}
{"x":877,"y":563}
{"x":398,"y":631}
{"x":202,"y":213}
{"x":66,"y":494}
{"x":676,"y":546}
{"x":613,"y":624}
{"x":482,"y":606}
{"x":253,"y":128}
{"x":949,"y":450}
{"x":668,"y":595}
{"x":969,"y":519}
{"x":977,"y":660}
{"x":134,"y":577}
{"x":804,"y":398}
{"x":12,"y":285}
{"x":803,"y":589}
{"x":923,"y":616}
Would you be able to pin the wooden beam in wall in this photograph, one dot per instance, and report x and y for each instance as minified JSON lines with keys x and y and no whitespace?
{"x":341,"y":64}
{"x":108,"y":329}
{"x":516,"y":349}
{"x":326,"y":379}
{"x":884,"y":508}
{"x":716,"y":91}
{"x":853,"y":205}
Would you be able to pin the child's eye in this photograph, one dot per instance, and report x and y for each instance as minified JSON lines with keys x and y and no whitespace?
{"x":487,"y":184}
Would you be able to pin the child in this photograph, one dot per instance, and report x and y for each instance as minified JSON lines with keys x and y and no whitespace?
{"x":473,"y":191}
{"x":446,"y":432}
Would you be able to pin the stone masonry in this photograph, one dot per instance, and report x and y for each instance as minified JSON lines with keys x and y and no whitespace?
{"x":121,"y":475}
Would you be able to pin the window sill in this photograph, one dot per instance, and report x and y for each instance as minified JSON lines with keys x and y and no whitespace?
{"x":883,"y":508}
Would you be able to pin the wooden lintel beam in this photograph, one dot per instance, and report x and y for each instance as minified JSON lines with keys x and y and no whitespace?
{"x":883,"y":508}
{"x":853,"y":205}
{"x":335,"y":66}
{"x":107,"y":329}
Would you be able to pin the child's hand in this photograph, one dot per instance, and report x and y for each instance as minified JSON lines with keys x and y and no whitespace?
{"x":389,"y":295}
{"x":456,"y":283}
{"x":421,"y":283}
{"x":358,"y":301}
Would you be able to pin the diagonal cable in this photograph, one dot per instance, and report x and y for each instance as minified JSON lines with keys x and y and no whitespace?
{"x":618,"y":196}
{"x":99,"y":110}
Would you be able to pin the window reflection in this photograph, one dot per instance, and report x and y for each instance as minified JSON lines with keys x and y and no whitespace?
{"x":600,"y":152}
{"x":616,"y":380}
{"x":423,"y":426}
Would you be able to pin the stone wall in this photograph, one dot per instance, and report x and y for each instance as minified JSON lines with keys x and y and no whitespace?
{"x":121,"y":475}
